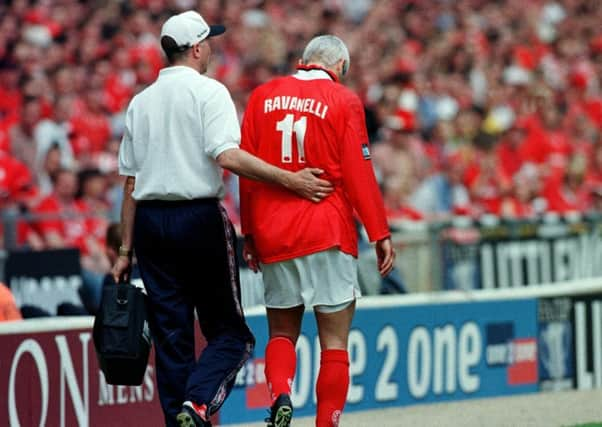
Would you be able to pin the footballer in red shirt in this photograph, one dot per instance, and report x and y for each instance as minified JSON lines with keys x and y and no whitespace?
{"x":307,"y":250}
{"x":309,"y":120}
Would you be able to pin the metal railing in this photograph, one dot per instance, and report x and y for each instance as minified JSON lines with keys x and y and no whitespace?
{"x":459,"y":253}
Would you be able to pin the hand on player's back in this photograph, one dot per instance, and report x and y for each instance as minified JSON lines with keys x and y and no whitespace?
{"x":307,"y":184}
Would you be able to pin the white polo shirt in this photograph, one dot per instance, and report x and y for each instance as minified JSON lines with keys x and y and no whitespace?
{"x":174,"y":131}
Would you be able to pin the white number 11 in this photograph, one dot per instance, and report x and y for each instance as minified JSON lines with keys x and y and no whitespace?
{"x":288,"y":126}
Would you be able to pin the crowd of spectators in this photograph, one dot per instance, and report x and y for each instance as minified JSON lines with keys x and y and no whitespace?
{"x":472,"y":106}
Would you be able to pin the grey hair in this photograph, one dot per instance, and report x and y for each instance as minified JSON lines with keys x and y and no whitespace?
{"x":326,"y":50}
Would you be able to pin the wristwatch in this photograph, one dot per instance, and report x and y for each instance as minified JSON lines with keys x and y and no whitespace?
{"x":123,"y":251}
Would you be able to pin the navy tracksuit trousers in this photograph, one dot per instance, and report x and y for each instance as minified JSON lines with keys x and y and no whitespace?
{"x":186,"y":255}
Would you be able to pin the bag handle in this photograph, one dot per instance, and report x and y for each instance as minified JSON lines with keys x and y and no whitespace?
{"x":122,"y":293}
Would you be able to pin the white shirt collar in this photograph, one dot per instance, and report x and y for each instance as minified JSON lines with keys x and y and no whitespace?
{"x":176,"y":69}
{"x":313,"y":74}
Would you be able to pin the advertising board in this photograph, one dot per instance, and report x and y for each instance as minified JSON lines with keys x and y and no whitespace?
{"x":56,"y":278}
{"x":406,"y":355}
{"x":405,"y":350}
{"x":512,"y":254}
{"x":52,"y":379}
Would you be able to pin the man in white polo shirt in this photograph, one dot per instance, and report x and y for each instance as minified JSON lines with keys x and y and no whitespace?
{"x":180,"y":132}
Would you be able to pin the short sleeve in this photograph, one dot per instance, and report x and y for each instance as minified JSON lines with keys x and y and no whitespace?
{"x":220,"y":122}
{"x":127,"y":159}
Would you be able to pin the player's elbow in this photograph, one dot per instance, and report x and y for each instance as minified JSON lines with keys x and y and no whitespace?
{"x":229,"y":159}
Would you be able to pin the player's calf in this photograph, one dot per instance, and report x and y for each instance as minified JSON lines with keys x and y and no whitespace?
{"x":331,"y":388}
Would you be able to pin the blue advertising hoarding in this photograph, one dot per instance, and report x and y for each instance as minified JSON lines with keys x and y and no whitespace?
{"x":405,"y":355}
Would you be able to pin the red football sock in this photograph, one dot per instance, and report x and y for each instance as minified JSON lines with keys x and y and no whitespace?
{"x":280,"y":365}
{"x":331,"y":389}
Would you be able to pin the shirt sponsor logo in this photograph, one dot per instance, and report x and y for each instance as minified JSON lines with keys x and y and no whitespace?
{"x":518,"y":355}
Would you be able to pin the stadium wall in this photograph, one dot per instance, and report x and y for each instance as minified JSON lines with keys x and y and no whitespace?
{"x":404,"y":350}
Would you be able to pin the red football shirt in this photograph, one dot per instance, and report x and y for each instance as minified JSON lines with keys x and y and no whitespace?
{"x":92,"y":133}
{"x":67,"y":221}
{"x":309,"y":120}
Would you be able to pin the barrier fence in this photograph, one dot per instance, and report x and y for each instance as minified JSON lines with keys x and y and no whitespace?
{"x":457,"y":254}
{"x":496,"y":253}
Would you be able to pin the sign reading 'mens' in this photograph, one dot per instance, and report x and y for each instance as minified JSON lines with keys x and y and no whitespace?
{"x":53,"y":379}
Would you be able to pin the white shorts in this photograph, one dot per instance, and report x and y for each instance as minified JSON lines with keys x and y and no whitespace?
{"x":326,"y":279}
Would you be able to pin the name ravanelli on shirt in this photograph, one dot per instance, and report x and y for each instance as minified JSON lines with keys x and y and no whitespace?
{"x":302,"y":105}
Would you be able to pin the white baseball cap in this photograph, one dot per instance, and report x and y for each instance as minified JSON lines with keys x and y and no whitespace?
{"x":188,"y":28}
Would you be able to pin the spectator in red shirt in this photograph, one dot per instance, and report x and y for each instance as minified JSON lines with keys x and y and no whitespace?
{"x":10,"y":100}
{"x":91,"y":127}
{"x":508,"y":152}
{"x":487,"y":184}
{"x":568,"y":193}
{"x":534,"y":148}
{"x":62,"y":223}
{"x":17,"y":193}
{"x":91,"y":197}
{"x":593,"y":178}
{"x":557,"y":141}
{"x":13,"y":176}
{"x":523,"y":200}
{"x":120,"y":83}
{"x":66,"y":223}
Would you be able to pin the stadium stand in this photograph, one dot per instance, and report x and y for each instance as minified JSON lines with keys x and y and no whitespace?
{"x":473,"y":107}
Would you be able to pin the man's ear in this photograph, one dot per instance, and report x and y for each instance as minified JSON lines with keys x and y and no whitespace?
{"x":345,"y":67}
{"x":196,"y":50}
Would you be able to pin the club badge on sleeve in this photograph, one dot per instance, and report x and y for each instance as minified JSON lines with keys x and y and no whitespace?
{"x":366,"y":152}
